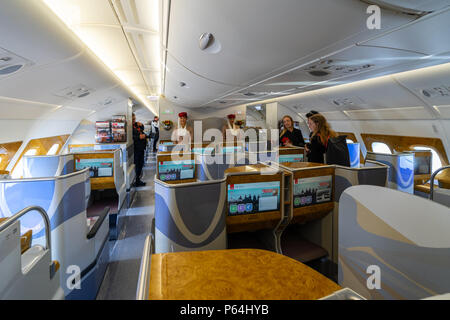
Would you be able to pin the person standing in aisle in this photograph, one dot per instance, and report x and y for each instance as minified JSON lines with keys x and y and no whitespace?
{"x":290,"y":136}
{"x":155,"y":132}
{"x":140,"y":143}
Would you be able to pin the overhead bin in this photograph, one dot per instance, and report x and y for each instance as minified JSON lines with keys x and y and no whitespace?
{"x":427,"y":35}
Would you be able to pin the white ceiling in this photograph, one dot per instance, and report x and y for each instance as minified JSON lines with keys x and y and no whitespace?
{"x":267,"y":45}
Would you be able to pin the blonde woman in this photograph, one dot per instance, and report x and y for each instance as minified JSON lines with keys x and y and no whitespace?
{"x":290,"y":136}
{"x":321,"y":132}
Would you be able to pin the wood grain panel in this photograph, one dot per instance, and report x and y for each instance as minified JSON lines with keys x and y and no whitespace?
{"x":240,"y":274}
{"x":405,"y":143}
{"x":7,"y":152}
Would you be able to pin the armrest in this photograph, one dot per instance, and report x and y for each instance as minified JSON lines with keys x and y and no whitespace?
{"x":98,"y":223}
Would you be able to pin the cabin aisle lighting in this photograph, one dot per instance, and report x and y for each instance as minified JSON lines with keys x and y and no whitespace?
{"x":124,"y":35}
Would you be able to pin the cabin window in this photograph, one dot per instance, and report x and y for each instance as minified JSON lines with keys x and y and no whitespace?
{"x":435,"y":160}
{"x":7,"y":152}
{"x":18,"y":170}
{"x":380,"y":147}
{"x":39,"y":147}
{"x":53,"y":150}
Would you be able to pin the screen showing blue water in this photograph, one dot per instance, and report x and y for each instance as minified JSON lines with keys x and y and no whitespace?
{"x":248,"y":198}
{"x":176,"y":170}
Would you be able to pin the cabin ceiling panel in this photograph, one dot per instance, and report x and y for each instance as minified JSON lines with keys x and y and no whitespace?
{"x":353,"y":64}
{"x":258,"y":36}
{"x":196,"y":90}
{"x":419,"y":5}
{"x":370,"y":94}
{"x":429,"y":35}
{"x":263,"y":38}
{"x":405,"y":113}
{"x":124,"y":34}
{"x":67,"y":113}
{"x":30,"y":30}
{"x":431,"y":84}
{"x":13,"y":109}
{"x":53,"y":84}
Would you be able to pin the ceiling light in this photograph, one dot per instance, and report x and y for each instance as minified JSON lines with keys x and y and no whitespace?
{"x":208,"y":43}
{"x":71,"y":12}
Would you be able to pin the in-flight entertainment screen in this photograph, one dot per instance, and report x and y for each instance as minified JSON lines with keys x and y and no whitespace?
{"x":290,"y":158}
{"x":256,"y":197}
{"x":97,"y":167}
{"x":207,"y":150}
{"x":422,"y":165}
{"x":176,"y":170}
{"x":310,"y":191}
{"x":232,"y":149}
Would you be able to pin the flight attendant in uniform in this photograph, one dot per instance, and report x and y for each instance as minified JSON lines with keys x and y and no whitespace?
{"x":232,"y":128}
{"x":290,"y":136}
{"x":183,"y":134}
{"x":140,"y":143}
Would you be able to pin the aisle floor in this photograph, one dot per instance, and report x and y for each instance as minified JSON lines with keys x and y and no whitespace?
{"x":120,"y":281}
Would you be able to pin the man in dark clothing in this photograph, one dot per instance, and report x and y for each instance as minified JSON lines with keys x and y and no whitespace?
{"x":155,"y":133}
{"x":140,"y":143}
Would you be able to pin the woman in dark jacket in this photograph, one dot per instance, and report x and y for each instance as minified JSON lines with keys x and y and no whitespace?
{"x":321,"y":132}
{"x":290,"y":136}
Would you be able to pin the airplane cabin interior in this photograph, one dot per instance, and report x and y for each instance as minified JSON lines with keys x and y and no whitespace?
{"x":224,"y":150}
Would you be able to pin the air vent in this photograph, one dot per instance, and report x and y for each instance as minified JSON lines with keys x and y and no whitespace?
{"x":11,"y":63}
{"x":436,"y":92}
{"x":336,"y":68}
{"x":222,"y":102}
{"x":249,"y":94}
{"x":319,"y":73}
{"x":76,"y":92}
{"x":347,"y":102}
{"x":10,"y":69}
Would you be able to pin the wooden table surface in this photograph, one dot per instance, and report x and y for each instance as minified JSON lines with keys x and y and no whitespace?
{"x":241,"y":274}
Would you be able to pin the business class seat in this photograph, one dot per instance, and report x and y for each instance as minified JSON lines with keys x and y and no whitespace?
{"x":28,"y":271}
{"x":25,"y":239}
{"x":404,"y":236}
